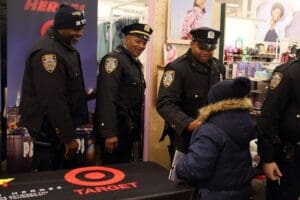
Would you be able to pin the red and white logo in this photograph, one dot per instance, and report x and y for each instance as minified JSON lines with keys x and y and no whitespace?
{"x":94,"y":176}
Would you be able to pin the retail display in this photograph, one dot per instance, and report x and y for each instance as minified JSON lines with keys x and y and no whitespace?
{"x":258,"y":64}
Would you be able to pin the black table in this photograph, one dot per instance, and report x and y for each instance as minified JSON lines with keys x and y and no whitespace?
{"x":144,"y":180}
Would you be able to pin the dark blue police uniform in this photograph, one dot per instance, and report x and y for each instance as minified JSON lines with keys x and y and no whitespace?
{"x":279,"y":131}
{"x":120,"y":99}
{"x":54,"y":99}
{"x":184,"y":88}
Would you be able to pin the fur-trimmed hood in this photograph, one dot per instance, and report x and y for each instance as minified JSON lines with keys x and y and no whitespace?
{"x":225,"y":105}
{"x":231,"y":116}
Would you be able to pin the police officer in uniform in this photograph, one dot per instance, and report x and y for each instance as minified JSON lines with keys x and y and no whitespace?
{"x":184,"y":87}
{"x":53,"y":99}
{"x":120,"y":96}
{"x":279,"y":133}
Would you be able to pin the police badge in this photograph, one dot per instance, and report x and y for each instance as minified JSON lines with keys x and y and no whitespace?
{"x":110,"y":64}
{"x":275,"y":80}
{"x":168,"y":78}
{"x":49,"y":62}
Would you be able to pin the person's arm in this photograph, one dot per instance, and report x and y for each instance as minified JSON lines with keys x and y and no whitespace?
{"x":268,"y":125}
{"x":50,"y":84}
{"x":107,"y":99}
{"x":198,"y":164}
{"x":272,"y":112}
{"x":186,"y":26}
{"x":169,"y":99}
{"x":281,"y":25}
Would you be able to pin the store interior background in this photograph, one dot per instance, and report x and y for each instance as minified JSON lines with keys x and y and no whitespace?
{"x":237,"y":18}
{"x":238,"y":21}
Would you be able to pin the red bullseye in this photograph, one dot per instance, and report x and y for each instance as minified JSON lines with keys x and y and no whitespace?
{"x":94,"y":173}
{"x":45,"y":26}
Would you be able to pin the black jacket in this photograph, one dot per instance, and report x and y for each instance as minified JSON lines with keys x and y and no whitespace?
{"x":184,"y":88}
{"x":53,"y":88}
{"x":280,"y":119}
{"x":120,"y":95}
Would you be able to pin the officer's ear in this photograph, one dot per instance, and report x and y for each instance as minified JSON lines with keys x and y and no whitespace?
{"x":193,"y":44}
{"x":126,"y":39}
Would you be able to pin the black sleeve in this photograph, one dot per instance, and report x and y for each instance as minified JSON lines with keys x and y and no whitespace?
{"x":168,"y":101}
{"x":275,"y":104}
{"x":107,"y":97}
{"x":50,"y":84}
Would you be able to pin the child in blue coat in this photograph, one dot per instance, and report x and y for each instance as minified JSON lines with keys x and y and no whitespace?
{"x":218,"y":162}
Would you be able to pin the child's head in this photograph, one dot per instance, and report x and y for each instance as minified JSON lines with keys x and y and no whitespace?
{"x":229,"y":89}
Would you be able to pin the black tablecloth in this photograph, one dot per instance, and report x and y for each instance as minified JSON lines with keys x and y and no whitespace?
{"x":144,"y":180}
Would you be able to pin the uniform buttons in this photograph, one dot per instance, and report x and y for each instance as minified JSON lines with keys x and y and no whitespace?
{"x":173,"y":126}
{"x":102,"y":124}
{"x":134,"y":83}
{"x":51,"y":37}
{"x":298,"y":116}
{"x":196,"y":95}
{"x":57,"y":131}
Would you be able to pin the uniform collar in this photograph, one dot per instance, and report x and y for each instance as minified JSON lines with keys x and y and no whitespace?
{"x":125,"y":50}
{"x":54,"y":34}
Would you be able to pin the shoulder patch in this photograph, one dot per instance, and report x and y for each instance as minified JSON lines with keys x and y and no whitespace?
{"x":111,"y":64}
{"x":49,"y":62}
{"x":275,"y":80}
{"x":168,"y":78}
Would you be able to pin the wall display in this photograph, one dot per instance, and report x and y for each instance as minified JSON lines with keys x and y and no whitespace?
{"x":281,"y":19}
{"x":184,"y":15}
{"x":170,"y":53}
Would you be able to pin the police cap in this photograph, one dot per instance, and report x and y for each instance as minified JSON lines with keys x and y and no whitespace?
{"x":207,"y":38}
{"x":140,"y":30}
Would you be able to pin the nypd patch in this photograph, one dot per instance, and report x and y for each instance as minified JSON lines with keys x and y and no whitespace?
{"x":49,"y":62}
{"x":168,"y":78}
{"x":111,"y":64}
{"x":275,"y":80}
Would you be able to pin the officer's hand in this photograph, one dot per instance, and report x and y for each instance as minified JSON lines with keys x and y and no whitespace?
{"x":193,"y":125}
{"x":111,"y":143}
{"x":71,"y":149}
{"x":272,"y":171}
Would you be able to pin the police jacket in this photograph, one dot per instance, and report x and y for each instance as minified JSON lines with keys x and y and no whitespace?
{"x":120,"y":95}
{"x":184,"y":88}
{"x":218,"y":162}
{"x":53,"y":87}
{"x":280,"y":119}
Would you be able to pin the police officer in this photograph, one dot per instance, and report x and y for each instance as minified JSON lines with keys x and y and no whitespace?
{"x":184,"y":87}
{"x":279,"y":133}
{"x":120,"y":96}
{"x":53,"y":99}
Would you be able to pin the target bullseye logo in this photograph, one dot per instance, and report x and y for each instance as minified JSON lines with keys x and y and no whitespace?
{"x":94,"y":176}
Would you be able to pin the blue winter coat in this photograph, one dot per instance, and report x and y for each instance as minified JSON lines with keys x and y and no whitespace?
{"x":218,"y":162}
